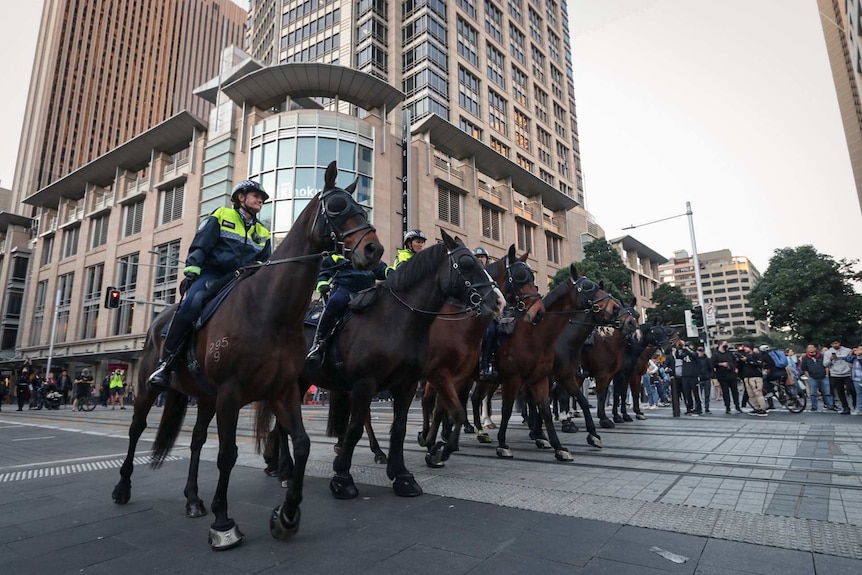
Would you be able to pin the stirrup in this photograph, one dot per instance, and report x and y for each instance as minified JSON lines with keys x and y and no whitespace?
{"x":161,"y":377}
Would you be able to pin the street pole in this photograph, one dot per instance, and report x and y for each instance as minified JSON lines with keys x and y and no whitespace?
{"x":697,"y":280}
{"x":53,"y":333}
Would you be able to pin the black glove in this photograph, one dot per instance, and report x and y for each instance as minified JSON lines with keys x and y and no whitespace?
{"x":324,"y":289}
{"x":187,"y":283}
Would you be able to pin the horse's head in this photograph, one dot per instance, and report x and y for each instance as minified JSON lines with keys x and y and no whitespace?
{"x":468,"y":281}
{"x":628,"y":318}
{"x":583,"y":294}
{"x":341,"y":219}
{"x":669,"y":337}
{"x":519,"y":285}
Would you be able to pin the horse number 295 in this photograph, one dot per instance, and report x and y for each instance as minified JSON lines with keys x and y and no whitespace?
{"x":215,"y":347}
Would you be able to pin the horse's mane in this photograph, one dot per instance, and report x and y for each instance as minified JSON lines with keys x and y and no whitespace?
{"x":418,"y":268}
{"x":557,"y":293}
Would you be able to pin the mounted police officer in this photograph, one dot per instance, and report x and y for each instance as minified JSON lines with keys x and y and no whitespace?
{"x":482,"y":255}
{"x":414,"y":241}
{"x":341,"y":281}
{"x":227,"y":239}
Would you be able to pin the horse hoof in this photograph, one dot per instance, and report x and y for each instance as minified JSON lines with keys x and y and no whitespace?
{"x":421,"y":439}
{"x":618,"y":419}
{"x":504,"y":452}
{"x":469,"y":428}
{"x":342,"y":487}
{"x":627,"y":418}
{"x":406,"y":486}
{"x":270,"y":471}
{"x":195,"y":509}
{"x":336,"y":448}
{"x":568,"y":426}
{"x":433,"y":461}
{"x":281,"y":526}
{"x":640,"y":416}
{"x":122,"y":494}
{"x":594,"y":440}
{"x":607,"y":424}
{"x":223,"y":540}
{"x":483,"y":437}
{"x":543,"y":444}
{"x":490,"y":425}
{"x":285,"y":483}
{"x":381,"y":459}
{"x":563,"y":455}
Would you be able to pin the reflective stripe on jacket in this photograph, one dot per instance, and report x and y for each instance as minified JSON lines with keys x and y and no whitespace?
{"x":224,"y":243}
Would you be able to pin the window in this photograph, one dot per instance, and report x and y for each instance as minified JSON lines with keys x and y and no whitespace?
{"x":496,"y":65}
{"x":166,"y":274}
{"x":467,"y":42}
{"x":525,"y":163}
{"x":535,"y":26}
{"x":99,"y":231}
{"x":493,"y":21}
{"x":171,"y":204}
{"x":525,"y":237}
{"x":39,"y":312}
{"x":127,"y":282}
{"x":554,"y":246}
{"x":468,"y":7}
{"x":449,"y":205}
{"x":47,"y":249}
{"x":471,"y":128}
{"x":92,"y":296}
{"x":515,"y":10}
{"x":554,"y":46}
{"x":541,"y":107}
{"x":497,"y":112}
{"x":500,"y":147}
{"x":522,"y":130}
{"x":517,"y":44}
{"x":133,"y":217}
{"x":519,"y":86}
{"x":70,"y":241}
{"x":538,"y":60}
{"x":490,"y":223}
{"x":468,"y":91}
{"x":64,"y":286}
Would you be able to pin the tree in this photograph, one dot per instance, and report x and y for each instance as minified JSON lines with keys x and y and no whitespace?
{"x":809,"y":293}
{"x":669,"y":305}
{"x":602,"y":263}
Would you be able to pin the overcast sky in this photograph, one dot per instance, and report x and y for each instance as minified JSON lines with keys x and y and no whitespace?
{"x":729,"y":105}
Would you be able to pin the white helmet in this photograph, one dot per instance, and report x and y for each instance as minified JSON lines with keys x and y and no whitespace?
{"x":764,"y":348}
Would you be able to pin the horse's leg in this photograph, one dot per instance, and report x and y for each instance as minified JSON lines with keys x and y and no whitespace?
{"x":143,"y":403}
{"x":379,"y":456}
{"x":341,"y":484}
{"x":448,"y":401}
{"x":284,"y":521}
{"x":428,"y":400}
{"x":464,"y":395}
{"x":432,"y":457}
{"x":510,"y":390}
{"x":402,"y":480}
{"x":593,"y":437}
{"x":539,"y":392}
{"x":635,"y":386}
{"x":620,"y":396}
{"x":194,"y":505}
{"x":487,"y":422}
{"x":479,"y":393}
{"x":224,"y":533}
{"x":601,"y":399}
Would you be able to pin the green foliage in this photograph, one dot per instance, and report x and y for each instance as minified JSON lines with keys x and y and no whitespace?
{"x":602,"y":263}
{"x":669,"y":305}
{"x":810,"y":294}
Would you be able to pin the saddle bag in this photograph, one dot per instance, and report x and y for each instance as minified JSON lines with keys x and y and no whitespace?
{"x":363,"y":300}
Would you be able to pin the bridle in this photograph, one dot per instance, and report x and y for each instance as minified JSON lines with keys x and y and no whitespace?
{"x":585,"y":287}
{"x":519,"y":274}
{"x":336,"y":207}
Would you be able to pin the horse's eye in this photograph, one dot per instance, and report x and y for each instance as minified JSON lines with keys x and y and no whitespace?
{"x":467,"y":262}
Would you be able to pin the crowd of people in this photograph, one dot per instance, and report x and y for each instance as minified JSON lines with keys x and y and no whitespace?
{"x":748,"y":376}
{"x":30,"y":384}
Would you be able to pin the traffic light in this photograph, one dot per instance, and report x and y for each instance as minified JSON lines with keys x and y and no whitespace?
{"x":112,"y":297}
{"x":697,"y":315}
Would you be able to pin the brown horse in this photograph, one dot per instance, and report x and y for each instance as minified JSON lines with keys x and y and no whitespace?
{"x":453,"y":355}
{"x":252,"y":350}
{"x":527,"y":356}
{"x":383,"y":348}
{"x":636,"y":356}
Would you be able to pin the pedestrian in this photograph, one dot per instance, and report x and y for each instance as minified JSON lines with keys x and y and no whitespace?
{"x":690,"y":374}
{"x":725,"y":373}
{"x":811,"y":367}
{"x":855,"y":361}
{"x":705,"y":375}
{"x":22,"y":389}
{"x":649,"y":381}
{"x":82,"y":389}
{"x":105,"y":391}
{"x":838,"y":370}
{"x":4,"y":391}
{"x":750,"y":366}
{"x":116,"y":389}
{"x":64,"y":384}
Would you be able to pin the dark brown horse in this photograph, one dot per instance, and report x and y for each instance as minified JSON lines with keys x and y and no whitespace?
{"x":527,"y":356}
{"x":252,"y":350}
{"x":383,"y":348}
{"x":636,"y":356}
{"x":453,"y":355}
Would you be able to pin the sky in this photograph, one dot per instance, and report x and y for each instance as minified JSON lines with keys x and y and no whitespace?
{"x":728,"y":105}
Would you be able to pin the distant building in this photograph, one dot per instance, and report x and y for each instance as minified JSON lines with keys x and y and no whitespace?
{"x":727,"y":280}
{"x":14,"y":263}
{"x":842,"y":25}
{"x":643,"y":262}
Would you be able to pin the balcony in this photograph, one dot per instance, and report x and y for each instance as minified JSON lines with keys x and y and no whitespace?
{"x":496,"y":195}
{"x":446,"y":167}
{"x":178,"y":168}
{"x":553,"y":224}
{"x":101,"y":201}
{"x":528,"y":211}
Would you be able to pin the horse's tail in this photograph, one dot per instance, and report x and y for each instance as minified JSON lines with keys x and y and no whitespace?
{"x":169,"y":426}
{"x":339,"y":413}
{"x":262,"y":424}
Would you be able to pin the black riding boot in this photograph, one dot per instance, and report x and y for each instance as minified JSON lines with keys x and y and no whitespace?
{"x":327,"y":322}
{"x":174,"y":339}
{"x":486,"y":362}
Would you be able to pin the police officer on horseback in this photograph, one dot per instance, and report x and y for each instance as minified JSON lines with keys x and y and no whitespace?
{"x":227,"y":239}
{"x":341,"y":281}
{"x":414,"y":241}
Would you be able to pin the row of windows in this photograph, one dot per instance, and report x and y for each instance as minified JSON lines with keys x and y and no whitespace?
{"x":170,"y":210}
{"x":297,"y":35}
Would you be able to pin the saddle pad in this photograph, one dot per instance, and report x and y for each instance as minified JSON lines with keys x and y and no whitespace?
{"x":363,"y":300}
{"x":215,"y":301}
{"x":312,"y":316}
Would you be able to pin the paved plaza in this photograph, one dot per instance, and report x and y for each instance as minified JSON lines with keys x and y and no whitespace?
{"x":727,"y":493}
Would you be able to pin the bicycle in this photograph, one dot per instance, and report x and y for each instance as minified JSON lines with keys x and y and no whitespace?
{"x":88,"y":403}
{"x":794,"y":396}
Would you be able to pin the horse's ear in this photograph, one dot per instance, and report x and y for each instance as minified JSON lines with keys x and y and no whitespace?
{"x":634,"y":301}
{"x":602,"y":284}
{"x":448,"y":240}
{"x":330,"y":176}
{"x":352,"y":187}
{"x":573,"y":271}
{"x":511,"y":253}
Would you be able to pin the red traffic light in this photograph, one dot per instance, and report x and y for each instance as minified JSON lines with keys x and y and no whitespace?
{"x":112,"y":297}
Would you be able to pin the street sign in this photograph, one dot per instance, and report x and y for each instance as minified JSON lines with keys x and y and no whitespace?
{"x":690,"y":326}
{"x":710,"y":314}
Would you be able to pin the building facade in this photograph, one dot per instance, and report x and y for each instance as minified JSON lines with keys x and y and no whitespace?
{"x":727,"y":281}
{"x":643,"y":262}
{"x":108,"y":70}
{"x":842,"y":25}
{"x":14,"y":264}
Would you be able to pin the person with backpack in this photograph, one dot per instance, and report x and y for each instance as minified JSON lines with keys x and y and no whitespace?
{"x":775,"y":370}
